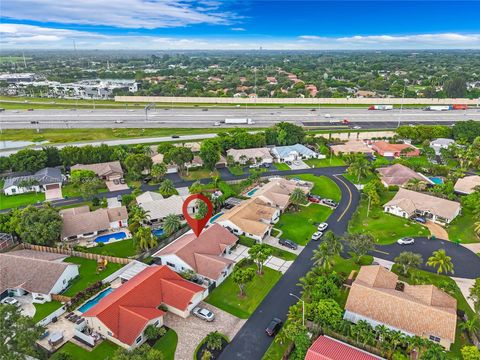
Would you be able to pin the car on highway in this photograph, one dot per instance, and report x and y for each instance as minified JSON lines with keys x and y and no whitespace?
{"x":329,"y":202}
{"x":10,"y":301}
{"x":288,"y":243}
{"x":322,"y":227}
{"x":217,"y":123}
{"x":203,"y":314}
{"x":34,"y":122}
{"x":317,"y":235}
{"x":273,"y":327}
{"x":419,"y":219}
{"x":288,"y":162}
{"x":204,"y":109}
{"x":30,"y":109}
{"x":406,"y":241}
{"x":357,"y":127}
{"x":118,"y":121}
{"x":328,"y":116}
{"x":175,"y":136}
{"x":314,"y":198}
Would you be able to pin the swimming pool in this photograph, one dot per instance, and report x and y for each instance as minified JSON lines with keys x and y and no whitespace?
{"x":437,"y":180}
{"x":251,"y":192}
{"x":158,"y":232}
{"x":215,"y":217}
{"x":115,"y":236}
{"x":92,"y":302}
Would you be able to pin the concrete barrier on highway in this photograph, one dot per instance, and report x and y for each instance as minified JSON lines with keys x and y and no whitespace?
{"x":290,"y":101}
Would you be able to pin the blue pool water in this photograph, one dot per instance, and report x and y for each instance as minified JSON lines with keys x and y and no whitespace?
{"x":437,"y":180}
{"x":251,"y":192}
{"x":108,"y":237}
{"x":158,"y":232}
{"x":215,"y":217}
{"x":91,"y":303}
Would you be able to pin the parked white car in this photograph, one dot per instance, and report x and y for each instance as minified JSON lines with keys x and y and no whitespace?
{"x":203,"y":314}
{"x":217,"y":123}
{"x":317,"y":235}
{"x":406,"y":241}
{"x":10,"y":301}
{"x":322,"y":227}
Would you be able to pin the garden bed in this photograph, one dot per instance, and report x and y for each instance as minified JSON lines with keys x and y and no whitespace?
{"x":215,"y":353}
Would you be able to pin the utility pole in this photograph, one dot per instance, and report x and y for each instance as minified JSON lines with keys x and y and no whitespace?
{"x":303,"y":308}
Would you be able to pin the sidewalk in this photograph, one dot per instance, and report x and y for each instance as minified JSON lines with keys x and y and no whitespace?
{"x":275,"y":263}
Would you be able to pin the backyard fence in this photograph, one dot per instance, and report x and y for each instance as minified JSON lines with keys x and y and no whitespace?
{"x":162,"y":243}
{"x":113,"y":259}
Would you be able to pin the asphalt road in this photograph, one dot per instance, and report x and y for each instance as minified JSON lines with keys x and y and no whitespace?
{"x":197,"y":117}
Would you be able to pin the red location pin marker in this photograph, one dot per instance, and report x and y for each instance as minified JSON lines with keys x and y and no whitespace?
{"x":197,"y":225}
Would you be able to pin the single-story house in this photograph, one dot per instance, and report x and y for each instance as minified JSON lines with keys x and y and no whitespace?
{"x":41,"y":181}
{"x":421,"y":310}
{"x":352,"y":146}
{"x":276,"y":193}
{"x":407,"y":203}
{"x":194,"y":146}
{"x":253,"y":218}
{"x":221,"y":163}
{"x":158,"y":207}
{"x":196,"y":162}
{"x":394,"y":150}
{"x":203,"y":255}
{"x":294,"y":152}
{"x":400,"y":175}
{"x":80,"y":222}
{"x":441,"y":143}
{"x":107,"y":171}
{"x":123,"y":315}
{"x":327,"y":348}
{"x":255,"y":156}
{"x":38,"y":273}
{"x":467,"y":184}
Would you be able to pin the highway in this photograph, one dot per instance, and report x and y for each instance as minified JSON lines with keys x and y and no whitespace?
{"x":200,"y":118}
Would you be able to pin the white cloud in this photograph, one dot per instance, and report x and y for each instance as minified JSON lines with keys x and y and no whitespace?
{"x":237,"y":29}
{"x":118,"y":13}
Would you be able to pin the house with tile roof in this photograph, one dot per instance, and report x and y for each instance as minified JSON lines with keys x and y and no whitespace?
{"x":37,"y":273}
{"x":408,"y":203}
{"x":328,"y":348}
{"x":276,"y":192}
{"x":107,"y":171}
{"x":352,"y":146}
{"x":123,"y":315}
{"x":253,"y":218}
{"x":294,"y":152}
{"x":421,"y":310}
{"x":43,"y":180}
{"x":394,"y":150}
{"x":441,"y":143}
{"x":158,"y":207}
{"x":253,"y":155}
{"x":467,"y":184}
{"x":400,"y":175}
{"x":80,"y":222}
{"x":203,"y":255}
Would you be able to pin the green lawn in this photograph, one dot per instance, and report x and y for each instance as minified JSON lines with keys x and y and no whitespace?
{"x":88,"y":274}
{"x":275,"y":351}
{"x":385,"y":228}
{"x":462,"y":228}
{"x":333,"y":161}
{"x":104,"y":351}
{"x":69,"y":191}
{"x":435,"y":279}
{"x":167,"y":344}
{"x":226,"y":295}
{"x":323,"y":186}
{"x":299,"y":226}
{"x":363,"y":180}
{"x":42,"y":310}
{"x":123,"y":248}
{"x":281,"y":166}
{"x":13,"y":201}
{"x":280,"y":253}
{"x":197,"y":174}
{"x":236,"y":170}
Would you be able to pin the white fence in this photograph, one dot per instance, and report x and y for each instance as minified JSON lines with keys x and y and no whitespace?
{"x":57,"y":313}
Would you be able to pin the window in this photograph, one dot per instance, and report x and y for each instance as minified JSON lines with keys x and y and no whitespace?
{"x":170,"y":264}
{"x":434,"y":338}
{"x":156,"y":323}
{"x":138,"y":339}
{"x":109,"y":333}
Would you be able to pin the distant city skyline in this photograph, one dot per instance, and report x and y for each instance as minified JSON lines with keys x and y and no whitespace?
{"x":240,"y":24}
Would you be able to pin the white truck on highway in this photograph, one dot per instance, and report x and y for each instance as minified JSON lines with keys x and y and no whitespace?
{"x":438,"y":108}
{"x":247,"y":121}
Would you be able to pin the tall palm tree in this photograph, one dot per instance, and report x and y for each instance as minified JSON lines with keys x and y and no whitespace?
{"x":167,"y":188}
{"x":171,"y":223}
{"x":441,"y":261}
{"x":470,"y":326}
{"x":335,"y":246}
{"x":322,"y":257}
{"x":297,"y":197}
{"x":359,"y":168}
{"x":416,"y":184}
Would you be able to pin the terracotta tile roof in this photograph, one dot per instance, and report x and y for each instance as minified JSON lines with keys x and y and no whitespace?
{"x":421,"y":310}
{"x":277,"y":192}
{"x":467,"y":184}
{"x":399,"y":174}
{"x":351,"y":146}
{"x":410,"y":201}
{"x":101,"y":169}
{"x":21,"y":269}
{"x":127,"y":309}
{"x":77,"y":221}
{"x":383,"y":146}
{"x":203,"y":254}
{"x":327,"y":348}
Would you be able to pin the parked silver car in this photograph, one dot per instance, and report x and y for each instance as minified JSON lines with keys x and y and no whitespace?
{"x":203,"y":314}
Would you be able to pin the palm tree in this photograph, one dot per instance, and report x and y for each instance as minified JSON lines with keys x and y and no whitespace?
{"x":335,"y":246}
{"x":363,"y":332}
{"x":359,"y":168}
{"x":297,"y":197}
{"x":441,"y":261}
{"x":171,"y":223}
{"x":143,"y":239}
{"x":416,"y":184}
{"x":167,"y":188}
{"x":407,"y":260}
{"x":322,"y":257}
{"x":470,"y":326}
{"x":476,"y":228}
{"x":137,"y":217}
{"x":214,"y":340}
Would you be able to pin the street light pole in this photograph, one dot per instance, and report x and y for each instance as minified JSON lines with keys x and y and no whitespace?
{"x":303,"y":308}
{"x":401,"y":105}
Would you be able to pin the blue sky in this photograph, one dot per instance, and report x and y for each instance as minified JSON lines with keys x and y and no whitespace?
{"x":242,"y":24}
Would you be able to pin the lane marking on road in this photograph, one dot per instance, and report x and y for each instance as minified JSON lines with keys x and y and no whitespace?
{"x":349,"y":200}
{"x":381,"y":252}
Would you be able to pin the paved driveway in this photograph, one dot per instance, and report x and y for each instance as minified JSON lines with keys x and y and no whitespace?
{"x":275,"y":263}
{"x":299,"y":165}
{"x":273,"y":241}
{"x":192,"y":330}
